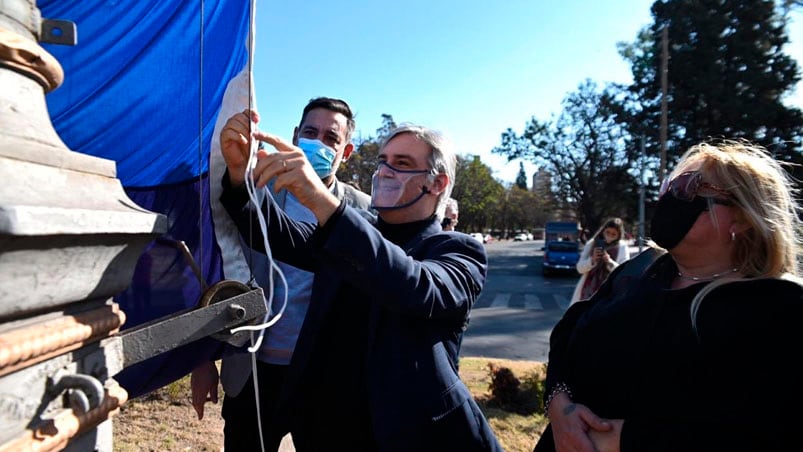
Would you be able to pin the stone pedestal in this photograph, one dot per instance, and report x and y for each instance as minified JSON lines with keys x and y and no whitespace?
{"x":69,"y":241}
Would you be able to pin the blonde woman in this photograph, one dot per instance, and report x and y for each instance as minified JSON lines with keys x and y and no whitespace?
{"x":701,"y":351}
{"x":603,"y":252}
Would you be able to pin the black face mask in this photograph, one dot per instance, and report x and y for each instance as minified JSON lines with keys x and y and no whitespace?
{"x":674,"y":218}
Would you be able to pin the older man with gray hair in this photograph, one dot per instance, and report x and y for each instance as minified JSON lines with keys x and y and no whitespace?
{"x":450,"y":215}
{"x":375,"y":364}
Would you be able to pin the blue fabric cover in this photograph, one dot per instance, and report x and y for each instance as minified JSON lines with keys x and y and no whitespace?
{"x":141,"y":88}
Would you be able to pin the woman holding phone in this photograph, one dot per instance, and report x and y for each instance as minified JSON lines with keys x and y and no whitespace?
{"x":603,"y":252}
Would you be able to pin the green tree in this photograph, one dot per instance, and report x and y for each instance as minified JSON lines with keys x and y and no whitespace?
{"x":727,"y":76}
{"x":521,"y":178}
{"x":523,"y":210}
{"x":388,"y":124}
{"x":584,"y":151}
{"x":477,"y":194}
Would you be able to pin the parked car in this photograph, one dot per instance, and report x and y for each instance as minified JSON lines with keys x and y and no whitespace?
{"x":560,"y":256}
{"x":478,"y":236}
{"x":556,"y":230}
{"x":520,"y":237}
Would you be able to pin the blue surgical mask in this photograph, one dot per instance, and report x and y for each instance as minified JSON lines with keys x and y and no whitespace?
{"x":319,"y":155}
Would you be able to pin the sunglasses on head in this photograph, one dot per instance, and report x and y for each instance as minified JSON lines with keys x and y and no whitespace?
{"x":686,"y":186}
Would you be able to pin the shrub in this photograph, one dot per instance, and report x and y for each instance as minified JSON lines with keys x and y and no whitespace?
{"x":511,"y":394}
{"x":504,"y":385}
{"x":532,"y":392}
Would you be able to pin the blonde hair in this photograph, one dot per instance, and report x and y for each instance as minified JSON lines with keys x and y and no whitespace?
{"x":763,"y":194}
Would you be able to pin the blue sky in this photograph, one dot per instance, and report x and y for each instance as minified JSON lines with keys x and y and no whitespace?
{"x":469,"y":68}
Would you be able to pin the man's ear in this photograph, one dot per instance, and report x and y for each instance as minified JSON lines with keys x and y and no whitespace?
{"x":295,"y":136}
{"x":347,"y":152}
{"x":439,"y":184}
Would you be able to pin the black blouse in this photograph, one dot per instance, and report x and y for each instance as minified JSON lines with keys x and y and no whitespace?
{"x":734,"y":383}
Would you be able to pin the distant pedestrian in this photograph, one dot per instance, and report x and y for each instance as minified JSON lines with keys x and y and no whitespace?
{"x":450,"y":215}
{"x":603,"y":252}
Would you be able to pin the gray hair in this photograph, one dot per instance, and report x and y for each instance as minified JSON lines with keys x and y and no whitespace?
{"x":451,"y":203}
{"x":442,"y":158}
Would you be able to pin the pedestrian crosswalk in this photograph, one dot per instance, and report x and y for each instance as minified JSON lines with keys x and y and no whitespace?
{"x":501,"y":300}
{"x":529,"y":301}
{"x":532,"y":302}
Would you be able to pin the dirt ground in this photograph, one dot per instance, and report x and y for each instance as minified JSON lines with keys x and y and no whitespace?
{"x":165,"y":421}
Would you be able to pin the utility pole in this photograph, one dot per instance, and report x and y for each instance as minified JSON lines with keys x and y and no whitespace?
{"x":641,"y":195}
{"x":664,"y":82}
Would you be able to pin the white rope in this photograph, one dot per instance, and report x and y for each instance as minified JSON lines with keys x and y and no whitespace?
{"x":256,"y":398}
{"x":252,"y":195}
{"x":272,"y":267}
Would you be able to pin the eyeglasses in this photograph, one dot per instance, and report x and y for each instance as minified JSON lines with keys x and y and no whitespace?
{"x":686,"y":186}
{"x":401,"y":171}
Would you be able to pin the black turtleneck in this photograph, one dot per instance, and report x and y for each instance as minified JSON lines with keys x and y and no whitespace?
{"x":402,"y":233}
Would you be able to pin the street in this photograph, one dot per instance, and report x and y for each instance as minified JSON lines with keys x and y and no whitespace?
{"x":518,"y":307}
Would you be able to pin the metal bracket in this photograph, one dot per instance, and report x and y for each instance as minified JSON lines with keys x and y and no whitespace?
{"x":57,"y":31}
{"x":216,"y":320}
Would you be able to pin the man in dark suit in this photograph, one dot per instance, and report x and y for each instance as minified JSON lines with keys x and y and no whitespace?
{"x":375,"y":364}
{"x":324,"y":133}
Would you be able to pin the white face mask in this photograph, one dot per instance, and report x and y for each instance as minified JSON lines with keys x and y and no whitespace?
{"x":389,"y":185}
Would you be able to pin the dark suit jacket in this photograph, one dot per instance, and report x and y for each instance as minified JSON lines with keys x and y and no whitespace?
{"x":632,"y":353}
{"x":237,"y":365}
{"x":420,"y":296}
